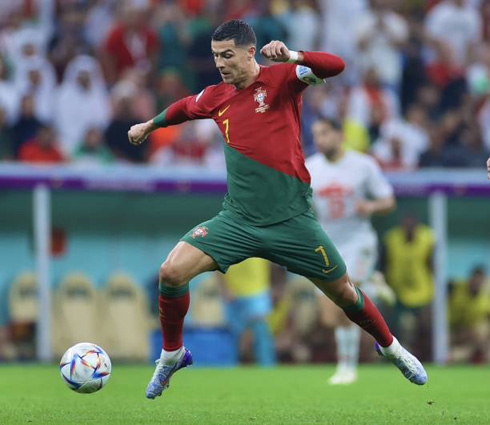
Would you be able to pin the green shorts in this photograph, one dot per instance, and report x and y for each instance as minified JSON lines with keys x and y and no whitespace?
{"x":299,"y":244}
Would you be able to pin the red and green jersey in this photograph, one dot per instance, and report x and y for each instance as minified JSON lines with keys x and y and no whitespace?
{"x":266,"y":174}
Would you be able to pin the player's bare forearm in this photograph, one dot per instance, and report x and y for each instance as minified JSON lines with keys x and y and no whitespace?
{"x":377,"y":206}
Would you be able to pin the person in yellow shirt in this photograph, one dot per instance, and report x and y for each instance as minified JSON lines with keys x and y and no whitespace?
{"x":407,"y":260}
{"x":469,"y":311}
{"x":246,"y":287}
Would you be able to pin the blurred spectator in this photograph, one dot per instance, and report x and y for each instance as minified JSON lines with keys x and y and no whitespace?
{"x":92,"y":150}
{"x":380,"y":34}
{"x":99,"y":20}
{"x":469,"y":311}
{"x":446,"y":74}
{"x":6,"y":140}
{"x":174,"y":35}
{"x":371,"y":105}
{"x":303,"y":26}
{"x":338,"y":40}
{"x":413,"y":73}
{"x":36,"y":76}
{"x":144,"y":103}
{"x":188,"y":149}
{"x":470,"y":151}
{"x":42,"y":149}
{"x":26,"y":125}
{"x":199,"y":56}
{"x":131,"y":42}
{"x":435,"y":155}
{"x":22,"y":43}
{"x":402,"y":141}
{"x":407,"y":260}
{"x":69,"y":39}
{"x":267,"y":27}
{"x":478,"y":80}
{"x":457,"y":23}
{"x":81,"y":102}
{"x":170,"y":88}
{"x":8,"y":95}
{"x":124,"y":117}
{"x":246,"y":292}
{"x":356,"y":136}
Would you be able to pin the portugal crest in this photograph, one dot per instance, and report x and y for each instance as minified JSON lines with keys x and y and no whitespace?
{"x":259,"y":96}
{"x":200,"y":231}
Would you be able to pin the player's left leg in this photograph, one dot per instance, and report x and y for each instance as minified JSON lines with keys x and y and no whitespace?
{"x":302,"y":246}
{"x":359,"y":309}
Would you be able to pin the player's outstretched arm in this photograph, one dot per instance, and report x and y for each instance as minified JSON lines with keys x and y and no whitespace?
{"x":322,"y":64}
{"x":188,"y":108}
{"x":138,"y":133}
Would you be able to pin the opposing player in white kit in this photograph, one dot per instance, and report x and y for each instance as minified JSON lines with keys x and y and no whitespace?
{"x":348,"y":187}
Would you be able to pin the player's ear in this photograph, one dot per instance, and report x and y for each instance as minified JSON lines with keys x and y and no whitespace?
{"x":251,"y":52}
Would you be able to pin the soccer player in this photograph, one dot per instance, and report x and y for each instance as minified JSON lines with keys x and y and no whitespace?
{"x":266,"y":212}
{"x":348,"y":187}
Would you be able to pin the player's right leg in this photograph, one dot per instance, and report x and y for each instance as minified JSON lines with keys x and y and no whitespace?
{"x":213,"y":245}
{"x":182,"y":264}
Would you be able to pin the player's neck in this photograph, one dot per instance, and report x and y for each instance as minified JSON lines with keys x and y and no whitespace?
{"x":336,"y":155}
{"x":250,"y":76}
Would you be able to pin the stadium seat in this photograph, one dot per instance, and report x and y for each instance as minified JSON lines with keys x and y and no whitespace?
{"x":207,"y":306}
{"x":125,"y":314}
{"x":23,"y":313}
{"x":75,"y":317}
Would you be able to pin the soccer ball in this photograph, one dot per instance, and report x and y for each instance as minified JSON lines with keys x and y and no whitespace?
{"x":85,"y":368}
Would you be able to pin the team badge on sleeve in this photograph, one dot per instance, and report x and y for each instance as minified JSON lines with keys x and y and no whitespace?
{"x":259,"y":96}
{"x":200,"y":231}
{"x":306,"y":75}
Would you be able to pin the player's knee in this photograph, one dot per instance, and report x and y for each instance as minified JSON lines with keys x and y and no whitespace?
{"x":170,"y":275}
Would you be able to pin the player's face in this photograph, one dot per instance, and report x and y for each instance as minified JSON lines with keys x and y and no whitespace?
{"x":328,"y":140}
{"x":233,"y":62}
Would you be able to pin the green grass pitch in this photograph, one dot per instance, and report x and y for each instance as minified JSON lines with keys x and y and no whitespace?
{"x":32,"y":394}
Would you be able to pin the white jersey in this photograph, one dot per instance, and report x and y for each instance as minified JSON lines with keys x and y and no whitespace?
{"x":336,"y":188}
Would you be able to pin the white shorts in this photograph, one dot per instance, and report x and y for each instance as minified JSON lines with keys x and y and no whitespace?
{"x":360,"y":260}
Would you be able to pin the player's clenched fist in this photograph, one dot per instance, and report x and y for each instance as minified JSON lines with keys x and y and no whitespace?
{"x":138,"y":133}
{"x":276,"y":51}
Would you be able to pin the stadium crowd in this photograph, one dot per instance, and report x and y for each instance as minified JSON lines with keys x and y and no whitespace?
{"x":76,"y":74}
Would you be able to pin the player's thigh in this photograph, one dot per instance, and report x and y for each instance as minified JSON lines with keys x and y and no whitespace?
{"x":224,"y":239}
{"x":184,"y":262}
{"x":301,"y":245}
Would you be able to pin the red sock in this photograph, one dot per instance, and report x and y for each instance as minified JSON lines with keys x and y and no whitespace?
{"x":172,"y":314}
{"x":368,"y":317}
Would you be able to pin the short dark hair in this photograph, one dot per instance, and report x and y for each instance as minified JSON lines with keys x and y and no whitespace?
{"x":332,"y":122}
{"x":237,"y":30}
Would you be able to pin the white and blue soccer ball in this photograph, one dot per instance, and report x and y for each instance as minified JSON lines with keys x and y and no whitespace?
{"x":85,"y":368}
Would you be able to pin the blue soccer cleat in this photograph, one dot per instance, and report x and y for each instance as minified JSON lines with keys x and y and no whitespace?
{"x":163,"y":372}
{"x":408,"y":364}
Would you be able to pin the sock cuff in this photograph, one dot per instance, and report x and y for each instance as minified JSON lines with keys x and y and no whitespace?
{"x":359,"y":305}
{"x":173,"y":291}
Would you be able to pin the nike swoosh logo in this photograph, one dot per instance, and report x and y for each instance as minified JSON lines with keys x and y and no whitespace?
{"x":223,"y":111}
{"x":327,"y":271}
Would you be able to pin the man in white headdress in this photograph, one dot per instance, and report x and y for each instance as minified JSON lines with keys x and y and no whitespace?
{"x":81,"y":102}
